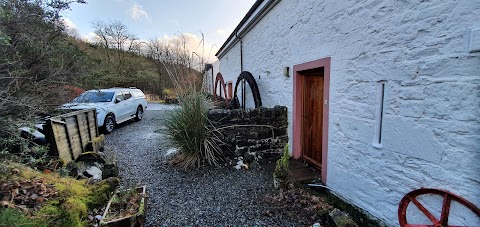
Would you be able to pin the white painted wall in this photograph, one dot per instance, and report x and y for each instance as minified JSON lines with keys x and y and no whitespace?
{"x":431,"y":130}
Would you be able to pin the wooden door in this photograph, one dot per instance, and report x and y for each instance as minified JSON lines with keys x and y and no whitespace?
{"x":312,"y":117}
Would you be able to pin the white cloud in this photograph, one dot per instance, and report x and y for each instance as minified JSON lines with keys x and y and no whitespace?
{"x":137,"y":12}
{"x":70,"y":27}
{"x":193,"y":43}
{"x":68,"y":23}
{"x":91,"y":37}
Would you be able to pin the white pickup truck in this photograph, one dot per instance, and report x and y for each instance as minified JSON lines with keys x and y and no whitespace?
{"x":113,"y":105}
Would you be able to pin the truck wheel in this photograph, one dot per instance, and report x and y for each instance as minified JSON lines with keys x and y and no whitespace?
{"x":109,"y":124}
{"x":139,"y":114}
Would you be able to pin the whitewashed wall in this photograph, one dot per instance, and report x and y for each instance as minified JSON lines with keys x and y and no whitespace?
{"x":431,"y":130}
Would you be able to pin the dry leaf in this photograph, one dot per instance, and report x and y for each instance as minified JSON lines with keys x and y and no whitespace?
{"x":4,"y":203}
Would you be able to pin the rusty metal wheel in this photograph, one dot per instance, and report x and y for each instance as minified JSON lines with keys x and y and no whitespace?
{"x":222,"y":87}
{"x":246,"y":78}
{"x":448,"y":197}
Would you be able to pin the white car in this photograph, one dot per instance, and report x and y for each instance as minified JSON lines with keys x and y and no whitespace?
{"x":113,"y":105}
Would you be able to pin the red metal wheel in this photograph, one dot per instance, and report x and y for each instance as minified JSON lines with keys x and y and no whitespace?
{"x":448,"y":197}
{"x":222,"y":87}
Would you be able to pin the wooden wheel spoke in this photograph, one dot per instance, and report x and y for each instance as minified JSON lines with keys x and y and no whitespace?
{"x":447,"y":200}
{"x":424,"y":210}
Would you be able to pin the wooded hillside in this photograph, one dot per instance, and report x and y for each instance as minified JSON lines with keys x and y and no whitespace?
{"x":39,"y":60}
{"x":42,"y":66}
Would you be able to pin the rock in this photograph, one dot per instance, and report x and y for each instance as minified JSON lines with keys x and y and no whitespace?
{"x":72,"y":169}
{"x":239,"y":165}
{"x":34,"y":196}
{"x":81,"y":169}
{"x":325,"y":219}
{"x":91,"y":157}
{"x":248,"y":157}
{"x":109,"y":170}
{"x":254,"y":165}
{"x":95,"y":172}
{"x":342,"y":219}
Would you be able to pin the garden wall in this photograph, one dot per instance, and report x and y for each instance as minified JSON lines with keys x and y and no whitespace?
{"x":258,"y":134}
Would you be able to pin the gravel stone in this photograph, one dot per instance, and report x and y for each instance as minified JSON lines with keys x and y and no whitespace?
{"x":220,"y":196}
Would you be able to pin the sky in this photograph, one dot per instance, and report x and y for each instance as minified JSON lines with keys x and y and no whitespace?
{"x":167,"y":19}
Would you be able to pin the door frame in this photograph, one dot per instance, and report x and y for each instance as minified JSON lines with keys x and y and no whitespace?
{"x":298,"y":88}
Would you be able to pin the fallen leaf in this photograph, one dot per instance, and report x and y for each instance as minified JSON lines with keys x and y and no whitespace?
{"x":4,"y":203}
{"x":40,"y":199}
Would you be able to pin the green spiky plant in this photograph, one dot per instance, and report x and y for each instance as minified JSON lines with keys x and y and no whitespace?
{"x":190,"y":130}
{"x":282,"y":171}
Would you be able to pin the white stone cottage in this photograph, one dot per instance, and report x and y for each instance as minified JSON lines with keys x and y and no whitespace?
{"x":384,"y":96}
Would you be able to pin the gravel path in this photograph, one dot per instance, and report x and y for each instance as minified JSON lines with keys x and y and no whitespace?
{"x":220,"y":196}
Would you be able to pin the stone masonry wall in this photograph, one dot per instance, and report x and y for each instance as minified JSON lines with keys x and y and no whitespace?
{"x":256,"y":134}
{"x":431,"y":125}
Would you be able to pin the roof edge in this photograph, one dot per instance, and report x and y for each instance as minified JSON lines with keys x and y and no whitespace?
{"x":232,"y":39}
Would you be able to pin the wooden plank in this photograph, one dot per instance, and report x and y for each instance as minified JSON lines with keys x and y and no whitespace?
{"x":93,"y":126}
{"x":63,"y":147}
{"x":74,"y":137}
{"x":67,"y":115}
{"x":50,"y":137}
{"x":82,"y":133}
{"x":89,"y":131}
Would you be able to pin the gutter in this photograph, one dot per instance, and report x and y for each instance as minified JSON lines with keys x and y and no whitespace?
{"x":246,"y":25}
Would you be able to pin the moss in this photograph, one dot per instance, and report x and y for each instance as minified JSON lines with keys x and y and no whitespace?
{"x":346,"y":222}
{"x":75,"y":198}
{"x":101,"y":193}
{"x":98,"y":139}
{"x":14,"y":218}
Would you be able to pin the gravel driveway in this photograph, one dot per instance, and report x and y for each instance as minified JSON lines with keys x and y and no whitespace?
{"x":221,"y":196}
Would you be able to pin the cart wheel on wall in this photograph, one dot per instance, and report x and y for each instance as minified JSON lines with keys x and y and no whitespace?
{"x":448,"y":197}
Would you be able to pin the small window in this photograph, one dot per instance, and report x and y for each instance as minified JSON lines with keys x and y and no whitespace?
{"x":379,"y":113}
{"x":120,"y":97}
{"x":127,"y":95}
{"x":137,"y":93}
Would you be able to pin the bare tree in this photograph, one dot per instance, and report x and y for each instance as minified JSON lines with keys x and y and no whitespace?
{"x":115,"y":35}
{"x":177,"y":61}
{"x":103,"y":39}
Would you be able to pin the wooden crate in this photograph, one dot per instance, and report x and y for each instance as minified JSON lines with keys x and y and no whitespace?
{"x":136,"y":220}
{"x":69,"y":134}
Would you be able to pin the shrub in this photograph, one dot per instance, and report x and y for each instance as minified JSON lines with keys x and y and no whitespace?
{"x":281,"y":169}
{"x":188,"y":129}
{"x":16,"y":148}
